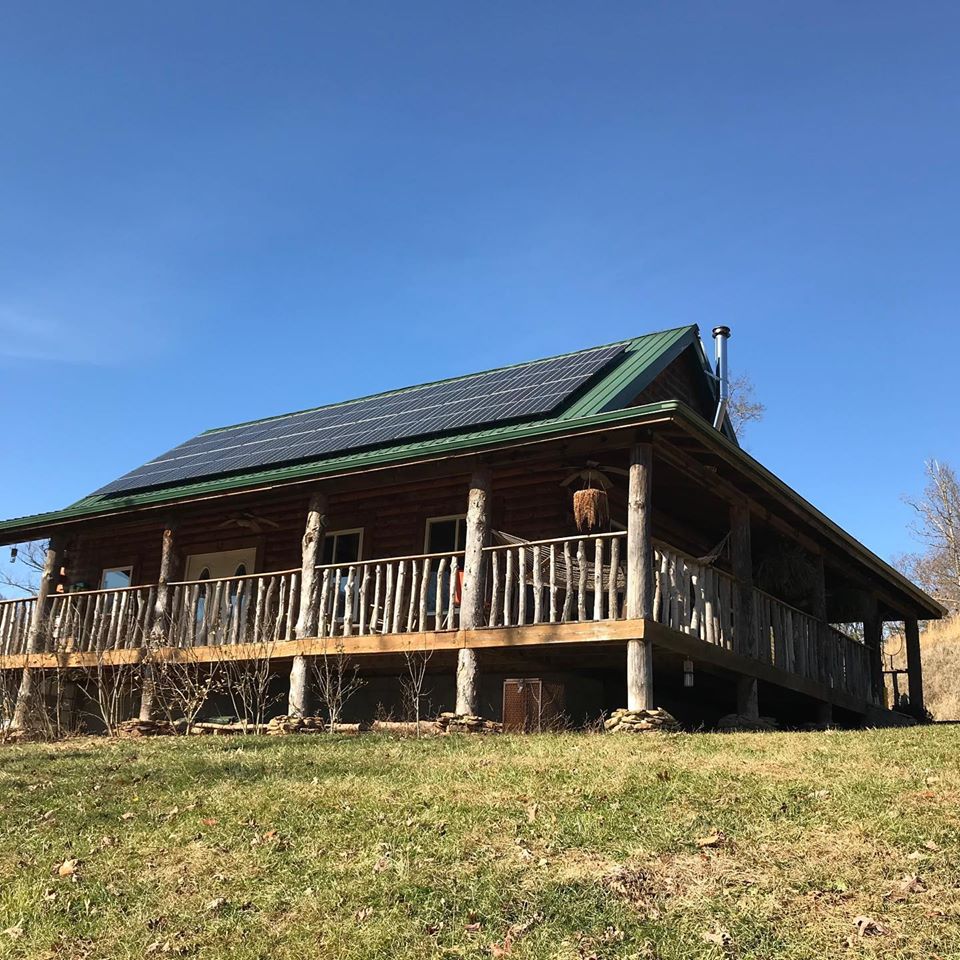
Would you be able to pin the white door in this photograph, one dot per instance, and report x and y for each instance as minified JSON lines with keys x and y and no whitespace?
{"x":226,"y":563}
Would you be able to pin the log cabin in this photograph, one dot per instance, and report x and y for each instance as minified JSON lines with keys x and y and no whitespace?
{"x":557,"y":538}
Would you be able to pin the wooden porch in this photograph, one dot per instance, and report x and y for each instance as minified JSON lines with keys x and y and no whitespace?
{"x":562,"y":591}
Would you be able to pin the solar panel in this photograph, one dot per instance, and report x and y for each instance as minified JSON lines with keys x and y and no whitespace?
{"x":481,"y":399}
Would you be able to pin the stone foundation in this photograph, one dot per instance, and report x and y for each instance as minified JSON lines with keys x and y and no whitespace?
{"x":640,"y":721}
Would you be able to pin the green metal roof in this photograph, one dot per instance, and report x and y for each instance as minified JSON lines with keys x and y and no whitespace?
{"x":603,"y":401}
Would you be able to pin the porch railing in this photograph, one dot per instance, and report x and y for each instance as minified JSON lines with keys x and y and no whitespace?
{"x":564,"y":580}
{"x":255,"y":608}
{"x":396,"y":595}
{"x":15,"y":617}
{"x":697,"y":599}
{"x":568,"y":580}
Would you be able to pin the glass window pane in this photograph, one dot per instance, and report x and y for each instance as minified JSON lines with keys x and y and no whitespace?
{"x":326,"y":552}
{"x":116,"y":578}
{"x":442,"y":536}
{"x":347,"y":549}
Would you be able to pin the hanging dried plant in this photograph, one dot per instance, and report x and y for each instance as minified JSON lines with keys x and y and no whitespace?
{"x":591,"y":509}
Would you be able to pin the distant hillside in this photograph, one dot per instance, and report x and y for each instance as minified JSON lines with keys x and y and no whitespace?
{"x":940,"y":646}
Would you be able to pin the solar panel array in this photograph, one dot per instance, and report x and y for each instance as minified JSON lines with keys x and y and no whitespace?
{"x":528,"y":390}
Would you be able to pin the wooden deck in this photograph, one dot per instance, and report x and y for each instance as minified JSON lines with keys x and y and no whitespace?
{"x":564,"y":591}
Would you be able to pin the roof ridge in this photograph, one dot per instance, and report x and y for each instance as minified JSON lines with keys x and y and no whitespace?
{"x":628,"y":342}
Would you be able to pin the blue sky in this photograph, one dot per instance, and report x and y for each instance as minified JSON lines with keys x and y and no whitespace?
{"x":215,"y":212}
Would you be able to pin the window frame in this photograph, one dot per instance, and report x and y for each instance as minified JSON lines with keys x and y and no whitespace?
{"x":444,"y":519}
{"x":345,"y":532}
{"x":126,"y":568}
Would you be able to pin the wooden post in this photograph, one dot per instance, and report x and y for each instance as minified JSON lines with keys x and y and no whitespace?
{"x":873,"y":640}
{"x":826,"y":639}
{"x":824,"y":714}
{"x":748,"y":699}
{"x":741,"y":557}
{"x":914,"y":666}
{"x":745,"y":634}
{"x":160,"y":630}
{"x":299,"y":704}
{"x":471,"y":603}
{"x":639,"y":601}
{"x":23,"y":711}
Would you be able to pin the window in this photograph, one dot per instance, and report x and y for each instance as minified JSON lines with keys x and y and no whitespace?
{"x":114,"y":578}
{"x":445,"y":534}
{"x":342,"y":547}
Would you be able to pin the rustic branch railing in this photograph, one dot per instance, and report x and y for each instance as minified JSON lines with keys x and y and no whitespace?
{"x":697,"y":599}
{"x":97,"y":620}
{"x":396,"y":595}
{"x":565,"y":580}
{"x":256,"y":608}
{"x":15,"y":617}
{"x":568,"y":580}
{"x":694,"y":598}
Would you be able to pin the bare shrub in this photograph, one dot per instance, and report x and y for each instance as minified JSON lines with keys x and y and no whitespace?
{"x":336,"y":679}
{"x":183,"y":687}
{"x":247,"y":682}
{"x":109,"y":690}
{"x":413,"y":681}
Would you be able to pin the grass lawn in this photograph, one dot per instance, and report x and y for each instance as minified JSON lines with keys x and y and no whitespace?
{"x":572,"y":846}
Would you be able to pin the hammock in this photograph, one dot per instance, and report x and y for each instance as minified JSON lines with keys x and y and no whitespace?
{"x":560,"y":571}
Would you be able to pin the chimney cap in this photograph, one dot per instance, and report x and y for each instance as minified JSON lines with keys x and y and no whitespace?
{"x":721,"y":332}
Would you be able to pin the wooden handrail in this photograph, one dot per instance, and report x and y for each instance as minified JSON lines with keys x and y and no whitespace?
{"x":242,"y":576}
{"x":546,"y":543}
{"x":373,"y":561}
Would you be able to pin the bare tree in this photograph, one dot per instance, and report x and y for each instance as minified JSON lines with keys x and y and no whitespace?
{"x":937,"y":527}
{"x":337,"y":679}
{"x":743,"y":408}
{"x":21,"y":576}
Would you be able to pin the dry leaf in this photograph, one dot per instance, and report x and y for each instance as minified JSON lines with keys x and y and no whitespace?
{"x":867,"y":927}
{"x":129,"y":815}
{"x":714,"y":839}
{"x":217,"y":903}
{"x":209,"y":821}
{"x":532,"y":812}
{"x":68,"y":868}
{"x":14,"y":933}
{"x":364,"y":913}
{"x":930,"y":845}
{"x":473,"y":927}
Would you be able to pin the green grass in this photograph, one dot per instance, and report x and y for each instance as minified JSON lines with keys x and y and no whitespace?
{"x":523,"y":847}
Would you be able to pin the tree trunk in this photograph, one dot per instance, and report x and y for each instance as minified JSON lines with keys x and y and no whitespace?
{"x":27,"y":694}
{"x":160,"y":630}
{"x":471,"y":601}
{"x":639,"y":601}
{"x":299,"y":701}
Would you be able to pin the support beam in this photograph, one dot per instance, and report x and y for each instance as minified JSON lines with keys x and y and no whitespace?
{"x":299,"y":704}
{"x":639,"y":600}
{"x":873,"y":639}
{"x":748,"y":699}
{"x":36,"y":638}
{"x":160,"y":629}
{"x":914,"y":666}
{"x":741,"y":558}
{"x":471,"y":602}
{"x":824,"y":711}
